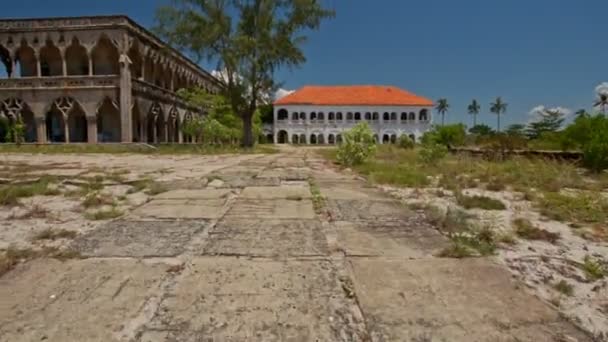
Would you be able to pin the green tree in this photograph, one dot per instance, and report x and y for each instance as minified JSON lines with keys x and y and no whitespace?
{"x":516,"y":130}
{"x":474,"y":109}
{"x":442,"y":108}
{"x":248,"y":39}
{"x":601,"y":102}
{"x":481,"y":130}
{"x":550,"y":121}
{"x":498,"y":107}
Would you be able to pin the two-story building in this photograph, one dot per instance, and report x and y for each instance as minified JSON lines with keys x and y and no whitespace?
{"x":320,"y":114}
{"x":95,"y":79}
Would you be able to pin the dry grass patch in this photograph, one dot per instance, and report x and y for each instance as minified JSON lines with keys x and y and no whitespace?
{"x":96,"y":199}
{"x":564,"y":288}
{"x":526,"y":230}
{"x":50,"y":234}
{"x":318,"y":201}
{"x":104,"y":214}
{"x":578,"y":208}
{"x":12,"y":256}
{"x":480,"y":202}
{"x":11,"y":193}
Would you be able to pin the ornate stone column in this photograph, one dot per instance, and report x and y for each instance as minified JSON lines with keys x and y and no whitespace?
{"x":40,"y":130}
{"x":92,"y":129}
{"x":66,"y":128}
{"x":126,"y":93}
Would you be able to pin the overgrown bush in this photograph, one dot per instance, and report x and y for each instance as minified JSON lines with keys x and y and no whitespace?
{"x":16,"y":132}
{"x":358,"y":144}
{"x":448,"y":135}
{"x":431,"y":153}
{"x":590,"y":135}
{"x":405,"y":142}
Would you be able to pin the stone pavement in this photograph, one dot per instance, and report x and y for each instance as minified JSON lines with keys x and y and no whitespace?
{"x":249,"y":259}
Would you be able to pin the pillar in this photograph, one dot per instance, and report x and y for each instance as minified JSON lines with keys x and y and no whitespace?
{"x":126,"y":93}
{"x":92,"y":129}
{"x":66,"y":129}
{"x":154,"y":131}
{"x":90,"y":64}
{"x":64,"y":65}
{"x":165,"y":132}
{"x":143,"y":132}
{"x":180,"y":136}
{"x":40,"y":130}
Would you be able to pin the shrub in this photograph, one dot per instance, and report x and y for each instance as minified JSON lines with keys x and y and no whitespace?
{"x":594,"y":269}
{"x":448,"y":135}
{"x":432,"y":153}
{"x":405,"y":142}
{"x":481,"y":202}
{"x":358,"y":145}
{"x":565,"y":288}
{"x":526,"y":230}
{"x":595,"y":152}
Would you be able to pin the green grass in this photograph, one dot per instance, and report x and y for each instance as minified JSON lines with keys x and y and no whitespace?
{"x":480,"y":202}
{"x":10,"y":194}
{"x":526,"y":230}
{"x":579,"y":208}
{"x":318,"y":201}
{"x":392,"y":165}
{"x":134,"y":148}
{"x":594,"y":269}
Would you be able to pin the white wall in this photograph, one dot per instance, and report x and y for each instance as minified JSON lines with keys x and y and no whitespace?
{"x":327,"y":127}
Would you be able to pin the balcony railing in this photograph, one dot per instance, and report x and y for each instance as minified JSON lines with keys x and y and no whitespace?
{"x":110,"y":81}
{"x":343,"y":123}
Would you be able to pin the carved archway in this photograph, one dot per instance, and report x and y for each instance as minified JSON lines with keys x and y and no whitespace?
{"x":105,"y":58}
{"x":51,"y":63}
{"x":108,"y":122}
{"x":26,"y":62}
{"x":77,"y":59}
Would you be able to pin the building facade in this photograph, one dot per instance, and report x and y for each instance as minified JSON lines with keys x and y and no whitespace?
{"x":95,"y":79}
{"x":320,"y":115}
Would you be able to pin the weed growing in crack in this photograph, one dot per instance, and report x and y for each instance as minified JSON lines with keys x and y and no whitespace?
{"x":526,"y":230}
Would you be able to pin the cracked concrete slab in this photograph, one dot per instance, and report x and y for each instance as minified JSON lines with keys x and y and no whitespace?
{"x":284,"y":238}
{"x":181,"y":209}
{"x":448,"y":300}
{"x":373,"y":211}
{"x":410,"y":239}
{"x":194,"y":194}
{"x":138,"y":239}
{"x":282,"y":301}
{"x":272,"y":209}
{"x":84,"y":300}
{"x":276,"y":192}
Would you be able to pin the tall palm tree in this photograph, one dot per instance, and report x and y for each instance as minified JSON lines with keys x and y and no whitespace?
{"x":474,"y":109}
{"x":442,"y":108}
{"x":498,"y":107}
{"x":602,"y":102}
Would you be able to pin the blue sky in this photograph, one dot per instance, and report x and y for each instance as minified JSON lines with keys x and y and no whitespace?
{"x":530,"y":52}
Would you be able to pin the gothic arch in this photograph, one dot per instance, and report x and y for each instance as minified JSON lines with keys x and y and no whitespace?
{"x":423,"y":116}
{"x":136,"y":60}
{"x":26,"y":62}
{"x":173,"y":125}
{"x":155,"y":121}
{"x":105,"y":57}
{"x":77,"y":59}
{"x":51,"y":62}
{"x":5,"y":58}
{"x":108,"y":121}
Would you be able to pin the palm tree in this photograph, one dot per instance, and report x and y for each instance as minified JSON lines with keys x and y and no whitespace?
{"x":442,"y":108}
{"x":474,"y":109}
{"x":498,"y":107}
{"x":602,"y":101}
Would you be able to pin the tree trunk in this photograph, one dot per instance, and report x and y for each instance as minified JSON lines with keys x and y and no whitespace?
{"x":474,"y":120}
{"x":442,"y":119}
{"x":248,"y":140}
{"x":498,"y":116}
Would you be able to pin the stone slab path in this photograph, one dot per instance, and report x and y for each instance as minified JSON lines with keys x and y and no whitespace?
{"x":251,"y":260}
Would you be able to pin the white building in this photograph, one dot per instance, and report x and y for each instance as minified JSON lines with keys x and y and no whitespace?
{"x":320,"y":114}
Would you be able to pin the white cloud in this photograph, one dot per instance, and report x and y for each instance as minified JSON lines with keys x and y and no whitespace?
{"x":602,"y":88}
{"x":280,"y":93}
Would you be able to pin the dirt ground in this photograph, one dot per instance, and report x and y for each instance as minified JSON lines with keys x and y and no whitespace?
{"x":242,"y":248}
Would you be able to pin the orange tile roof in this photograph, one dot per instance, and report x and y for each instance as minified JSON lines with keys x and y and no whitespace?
{"x":365,"y":95}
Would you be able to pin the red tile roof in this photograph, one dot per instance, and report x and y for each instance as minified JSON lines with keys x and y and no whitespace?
{"x":353,"y":95}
